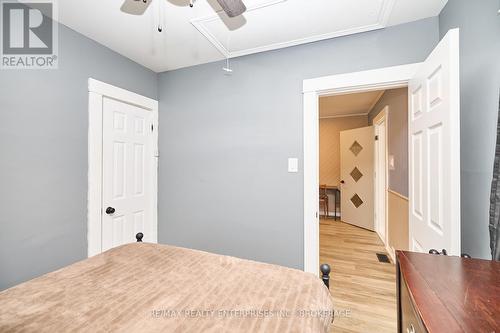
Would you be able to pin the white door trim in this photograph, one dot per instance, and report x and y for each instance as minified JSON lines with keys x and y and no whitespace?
{"x":382,"y":117}
{"x":377,"y":79}
{"x":97,"y":91}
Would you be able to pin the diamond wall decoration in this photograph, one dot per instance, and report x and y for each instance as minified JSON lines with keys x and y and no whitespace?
{"x":356,"y":174}
{"x":356,"y":201}
{"x":356,"y":148}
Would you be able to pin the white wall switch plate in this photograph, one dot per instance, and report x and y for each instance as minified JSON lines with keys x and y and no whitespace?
{"x":293,"y":165}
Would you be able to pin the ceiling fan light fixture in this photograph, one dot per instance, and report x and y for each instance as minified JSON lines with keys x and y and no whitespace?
{"x":232,"y":8}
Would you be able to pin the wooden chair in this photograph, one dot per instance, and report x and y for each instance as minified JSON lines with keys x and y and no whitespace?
{"x":323,"y":199}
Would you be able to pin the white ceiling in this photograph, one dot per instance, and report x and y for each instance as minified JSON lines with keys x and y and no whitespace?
{"x":348,"y":104}
{"x":199,"y":35}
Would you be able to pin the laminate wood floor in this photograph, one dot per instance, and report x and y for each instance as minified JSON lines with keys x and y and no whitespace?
{"x":363,"y":289}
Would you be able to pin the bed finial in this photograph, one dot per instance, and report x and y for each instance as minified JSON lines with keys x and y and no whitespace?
{"x":325,"y":270}
{"x":139,"y":236}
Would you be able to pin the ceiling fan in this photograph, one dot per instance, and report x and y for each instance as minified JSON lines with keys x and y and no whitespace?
{"x":232,"y":8}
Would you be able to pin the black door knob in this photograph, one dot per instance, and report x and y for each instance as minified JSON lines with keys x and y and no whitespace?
{"x":110,"y":210}
{"x":436,"y":252}
{"x":342,"y":182}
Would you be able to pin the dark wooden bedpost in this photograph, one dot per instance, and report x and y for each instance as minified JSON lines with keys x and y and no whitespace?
{"x":325,"y":270}
{"x":139,"y":236}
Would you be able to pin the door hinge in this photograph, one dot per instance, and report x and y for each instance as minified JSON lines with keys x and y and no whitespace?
{"x":152,"y":127}
{"x":376,"y":137}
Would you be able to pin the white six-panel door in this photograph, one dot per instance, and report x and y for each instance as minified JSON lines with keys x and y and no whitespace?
{"x":127,"y":183}
{"x":434,"y":142}
{"x":357,"y":177}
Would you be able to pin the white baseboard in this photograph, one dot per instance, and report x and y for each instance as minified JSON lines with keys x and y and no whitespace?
{"x":389,"y":249}
{"x":331,"y":214}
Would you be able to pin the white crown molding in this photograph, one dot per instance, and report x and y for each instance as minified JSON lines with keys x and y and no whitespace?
{"x":386,"y":11}
{"x":376,"y":101}
{"x":306,"y":40}
{"x":200,"y":25}
{"x":346,"y":115}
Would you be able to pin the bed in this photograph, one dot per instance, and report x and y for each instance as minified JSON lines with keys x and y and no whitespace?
{"x":143,"y":287}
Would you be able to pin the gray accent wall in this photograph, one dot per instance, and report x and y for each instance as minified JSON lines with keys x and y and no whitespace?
{"x":43,"y":149}
{"x":225,"y":140}
{"x":479,"y":26}
{"x":397,"y":135}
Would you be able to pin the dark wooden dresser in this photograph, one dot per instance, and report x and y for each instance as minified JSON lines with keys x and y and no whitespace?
{"x":445,"y":294}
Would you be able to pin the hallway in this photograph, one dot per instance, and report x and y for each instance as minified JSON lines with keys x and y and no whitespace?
{"x":363,"y":289}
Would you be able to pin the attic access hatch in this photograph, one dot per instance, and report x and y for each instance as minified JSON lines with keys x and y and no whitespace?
{"x":291,"y":24}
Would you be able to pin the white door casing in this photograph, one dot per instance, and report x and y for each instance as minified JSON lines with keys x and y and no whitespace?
{"x":127,"y":184}
{"x":357,"y":176}
{"x":381,"y":175}
{"x":434,"y":149}
{"x":370,"y":80}
{"x":311,"y":183}
{"x":102,"y":98}
{"x":377,"y":79}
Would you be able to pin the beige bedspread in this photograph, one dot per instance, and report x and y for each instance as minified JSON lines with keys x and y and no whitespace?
{"x":145,"y":287}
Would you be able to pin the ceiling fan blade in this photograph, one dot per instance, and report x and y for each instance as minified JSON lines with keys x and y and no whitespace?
{"x":232,"y":7}
{"x":135,"y":7}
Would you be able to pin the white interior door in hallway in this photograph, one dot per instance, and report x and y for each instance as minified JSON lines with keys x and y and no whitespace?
{"x":357,"y":176}
{"x":127,"y":183}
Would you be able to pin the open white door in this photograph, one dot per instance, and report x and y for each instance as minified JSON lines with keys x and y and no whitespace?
{"x":434,"y":123}
{"x":357,"y":177}
{"x":380,"y":123}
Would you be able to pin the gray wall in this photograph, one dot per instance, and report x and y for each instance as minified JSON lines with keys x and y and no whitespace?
{"x":479,"y":26}
{"x":397,"y":135}
{"x":43,"y":149}
{"x":225,"y":140}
